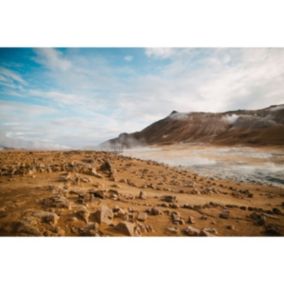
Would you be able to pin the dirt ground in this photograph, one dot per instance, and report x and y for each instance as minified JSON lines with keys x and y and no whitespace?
{"x":88,"y":193}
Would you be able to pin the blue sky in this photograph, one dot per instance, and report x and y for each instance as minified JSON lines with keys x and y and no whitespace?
{"x":79,"y":97}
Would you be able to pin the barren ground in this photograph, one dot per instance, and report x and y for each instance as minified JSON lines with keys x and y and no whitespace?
{"x":84,"y":193}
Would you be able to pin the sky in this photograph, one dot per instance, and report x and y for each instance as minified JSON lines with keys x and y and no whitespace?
{"x":61,"y":98}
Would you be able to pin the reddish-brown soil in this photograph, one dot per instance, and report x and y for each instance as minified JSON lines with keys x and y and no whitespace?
{"x":84,"y":193}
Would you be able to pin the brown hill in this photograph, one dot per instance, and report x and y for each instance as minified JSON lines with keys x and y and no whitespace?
{"x":254,"y":127}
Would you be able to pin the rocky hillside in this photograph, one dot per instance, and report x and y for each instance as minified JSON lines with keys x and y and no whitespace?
{"x":255,"y":127}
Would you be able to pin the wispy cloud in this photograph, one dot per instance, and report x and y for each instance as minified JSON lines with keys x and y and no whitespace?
{"x":9,"y":78}
{"x":160,"y":52}
{"x":84,"y":97}
{"x":52,"y":59}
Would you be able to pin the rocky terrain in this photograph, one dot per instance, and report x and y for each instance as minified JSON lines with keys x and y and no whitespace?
{"x":245,"y":127}
{"x":87,"y":193}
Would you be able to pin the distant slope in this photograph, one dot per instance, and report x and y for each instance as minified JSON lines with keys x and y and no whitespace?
{"x":255,"y":127}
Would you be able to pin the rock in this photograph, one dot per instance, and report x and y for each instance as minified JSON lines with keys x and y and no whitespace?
{"x":82,"y":213}
{"x":190,"y":220}
{"x":103,"y":215}
{"x":126,"y":228}
{"x":90,"y":230}
{"x":276,"y":211}
{"x":204,"y":233}
{"x":154,"y":211}
{"x":107,"y":168}
{"x":230,"y":227}
{"x":169,"y":198}
{"x":94,"y":173}
{"x":142,"y":216}
{"x":258,"y":219}
{"x":141,"y":195}
{"x":120,"y":213}
{"x":173,"y":205}
{"x":56,"y":202}
{"x":191,"y":231}
{"x":210,"y":230}
{"x":98,"y":194}
{"x":47,"y":217}
{"x":272,"y":230}
{"x":203,"y":217}
{"x":172,"y":230}
{"x":23,"y":228}
{"x":225,"y":214}
{"x":176,"y":218}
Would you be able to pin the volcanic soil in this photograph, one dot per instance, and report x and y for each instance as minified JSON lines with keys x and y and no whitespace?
{"x":88,"y":193}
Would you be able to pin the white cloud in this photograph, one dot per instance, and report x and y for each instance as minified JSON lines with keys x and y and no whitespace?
{"x":7,"y":77}
{"x":102,"y":100}
{"x":161,"y":53}
{"x":52,"y":58}
{"x":128,"y":58}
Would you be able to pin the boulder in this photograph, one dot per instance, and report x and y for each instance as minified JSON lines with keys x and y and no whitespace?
{"x":90,"y":230}
{"x":258,"y":219}
{"x":153,"y":211}
{"x":23,"y":228}
{"x":225,"y":214}
{"x":191,"y":231}
{"x":172,"y":230}
{"x":103,"y":215}
{"x":142,"y":216}
{"x":82,"y":213}
{"x":126,"y":228}
{"x":141,"y":195}
{"x":169,"y":198}
{"x":190,"y":220}
{"x":56,"y":202}
{"x":47,"y":217}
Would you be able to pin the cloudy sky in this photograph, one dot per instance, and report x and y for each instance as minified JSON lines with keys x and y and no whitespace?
{"x":80,"y":97}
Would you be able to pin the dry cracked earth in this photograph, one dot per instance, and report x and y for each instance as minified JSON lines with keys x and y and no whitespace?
{"x":86,"y":193}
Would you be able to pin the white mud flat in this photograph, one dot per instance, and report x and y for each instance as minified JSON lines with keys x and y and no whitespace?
{"x":264,"y":165}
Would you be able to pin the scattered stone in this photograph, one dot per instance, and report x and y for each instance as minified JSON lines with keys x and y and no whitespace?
{"x":203,"y":217}
{"x":56,"y":202}
{"x":258,"y":219}
{"x":169,"y":198}
{"x":154,"y":211}
{"x":126,"y":228}
{"x":82,"y":213}
{"x":47,"y":217}
{"x":90,"y":230}
{"x":141,"y":195}
{"x":272,"y":230}
{"x":190,"y":220}
{"x":210,"y":231}
{"x":172,"y":230}
{"x":98,"y":194}
{"x":107,"y":168}
{"x":191,"y":231}
{"x":142,"y":216}
{"x":230,"y":227}
{"x":276,"y":211}
{"x":23,"y":228}
{"x":103,"y":215}
{"x":176,"y":218}
{"x":225,"y":214}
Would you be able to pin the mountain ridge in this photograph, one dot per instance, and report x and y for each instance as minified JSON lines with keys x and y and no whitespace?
{"x":249,"y":127}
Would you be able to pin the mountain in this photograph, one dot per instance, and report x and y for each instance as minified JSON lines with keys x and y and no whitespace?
{"x":247,"y":127}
